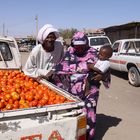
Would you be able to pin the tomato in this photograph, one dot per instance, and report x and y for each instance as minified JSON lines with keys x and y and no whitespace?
{"x":36,"y":83}
{"x":15,"y":96}
{"x":18,"y":90}
{"x":16,"y":105}
{"x":2,"y":105}
{"x":10,"y":101}
{"x":37,"y":97}
{"x":34,"y":103}
{"x":46,"y":97}
{"x":22,"y":101}
{"x":25,"y":105}
{"x":62,"y":99}
{"x":7,"y":97}
{"x":17,"y":85}
{"x":43,"y":102}
{"x":9,"y":106}
{"x":1,"y":96}
{"x":29,"y":97}
{"x":22,"y":95}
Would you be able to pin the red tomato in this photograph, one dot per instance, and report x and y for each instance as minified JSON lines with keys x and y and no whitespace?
{"x":2,"y":105}
{"x":9,"y":106}
{"x":7,"y":97}
{"x":15,"y":96}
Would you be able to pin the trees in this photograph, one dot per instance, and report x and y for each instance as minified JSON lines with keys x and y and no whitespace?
{"x":67,"y":33}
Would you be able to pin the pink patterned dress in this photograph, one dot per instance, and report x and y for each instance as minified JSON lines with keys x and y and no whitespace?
{"x":71,"y":75}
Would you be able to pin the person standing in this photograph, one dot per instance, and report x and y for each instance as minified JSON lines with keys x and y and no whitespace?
{"x":71,"y":75}
{"x":45,"y":55}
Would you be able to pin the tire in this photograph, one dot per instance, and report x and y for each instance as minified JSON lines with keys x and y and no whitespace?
{"x":134,"y":76}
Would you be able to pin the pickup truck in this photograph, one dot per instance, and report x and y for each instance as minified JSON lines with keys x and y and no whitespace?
{"x":126,"y":58}
{"x":53,"y":121}
{"x":97,"y":41}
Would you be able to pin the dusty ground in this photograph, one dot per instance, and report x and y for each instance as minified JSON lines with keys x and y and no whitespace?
{"x":118,"y":112}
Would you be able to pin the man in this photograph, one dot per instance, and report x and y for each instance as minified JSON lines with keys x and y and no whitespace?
{"x":45,"y":55}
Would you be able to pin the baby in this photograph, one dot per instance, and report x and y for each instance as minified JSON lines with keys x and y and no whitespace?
{"x":101,"y":66}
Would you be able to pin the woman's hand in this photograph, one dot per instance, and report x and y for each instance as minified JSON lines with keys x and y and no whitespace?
{"x":98,"y":77}
{"x":90,"y":66}
{"x":102,"y":77}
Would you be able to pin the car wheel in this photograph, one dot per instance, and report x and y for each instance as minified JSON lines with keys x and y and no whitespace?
{"x":134,"y":76}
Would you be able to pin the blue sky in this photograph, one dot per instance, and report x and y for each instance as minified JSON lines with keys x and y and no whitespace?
{"x":17,"y":17}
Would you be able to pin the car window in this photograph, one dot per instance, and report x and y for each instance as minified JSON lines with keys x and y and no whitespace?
{"x":115,"y":47}
{"x":131,"y":47}
{"x":137,"y":43}
{"x":98,"y":41}
{"x":5,"y":53}
{"x":125,"y":46}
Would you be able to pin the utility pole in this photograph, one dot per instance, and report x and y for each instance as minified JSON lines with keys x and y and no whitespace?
{"x":3,"y":29}
{"x":36,"y":18}
{"x":7,"y":32}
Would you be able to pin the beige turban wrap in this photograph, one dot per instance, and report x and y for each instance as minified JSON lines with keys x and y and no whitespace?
{"x":45,"y":31}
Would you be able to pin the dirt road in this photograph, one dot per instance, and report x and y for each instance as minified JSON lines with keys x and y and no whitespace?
{"x":118,"y":112}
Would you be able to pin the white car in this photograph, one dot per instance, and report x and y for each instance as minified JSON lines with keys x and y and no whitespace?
{"x":126,"y":58}
{"x":98,"y":41}
{"x":23,"y":48}
{"x":9,"y":53}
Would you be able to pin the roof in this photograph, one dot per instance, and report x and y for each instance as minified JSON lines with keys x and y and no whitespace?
{"x":6,"y":38}
{"x":126,"y":26}
{"x":131,"y":39}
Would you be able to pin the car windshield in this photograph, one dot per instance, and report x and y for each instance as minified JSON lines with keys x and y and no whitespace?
{"x":98,"y":41}
{"x":5,"y":53}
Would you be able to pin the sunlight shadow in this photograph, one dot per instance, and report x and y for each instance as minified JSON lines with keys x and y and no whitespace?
{"x":104,"y":122}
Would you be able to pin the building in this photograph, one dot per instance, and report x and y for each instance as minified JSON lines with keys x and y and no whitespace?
{"x":124,"y":31}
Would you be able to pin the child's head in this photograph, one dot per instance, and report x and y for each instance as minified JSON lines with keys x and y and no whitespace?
{"x":105,"y":52}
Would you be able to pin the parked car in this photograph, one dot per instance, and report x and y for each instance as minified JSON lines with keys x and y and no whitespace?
{"x":126,"y":58}
{"x":97,"y":41}
{"x":23,"y":48}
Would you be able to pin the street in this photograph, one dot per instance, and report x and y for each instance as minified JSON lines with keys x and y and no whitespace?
{"x":118,"y":110}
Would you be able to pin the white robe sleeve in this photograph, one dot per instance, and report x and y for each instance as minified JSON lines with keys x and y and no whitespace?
{"x":41,"y":63}
{"x":35,"y":68}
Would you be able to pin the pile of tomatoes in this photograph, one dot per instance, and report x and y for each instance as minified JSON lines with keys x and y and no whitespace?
{"x":20,"y":91}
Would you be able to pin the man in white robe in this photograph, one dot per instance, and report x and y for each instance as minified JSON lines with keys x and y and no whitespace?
{"x":45,"y":55}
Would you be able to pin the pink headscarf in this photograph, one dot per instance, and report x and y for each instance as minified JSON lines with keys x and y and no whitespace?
{"x":79,"y":38}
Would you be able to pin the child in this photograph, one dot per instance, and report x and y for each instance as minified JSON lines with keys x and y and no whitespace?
{"x":101,"y":66}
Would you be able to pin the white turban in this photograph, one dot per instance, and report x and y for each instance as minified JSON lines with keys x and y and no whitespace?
{"x":45,"y":31}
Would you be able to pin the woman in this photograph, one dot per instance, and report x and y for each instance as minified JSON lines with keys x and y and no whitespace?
{"x":72,"y":73}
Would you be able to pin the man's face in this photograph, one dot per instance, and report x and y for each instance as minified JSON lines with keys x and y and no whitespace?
{"x":48,"y":43}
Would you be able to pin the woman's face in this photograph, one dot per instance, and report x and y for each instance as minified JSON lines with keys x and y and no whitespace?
{"x":48,"y":43}
{"x":80,"y":50}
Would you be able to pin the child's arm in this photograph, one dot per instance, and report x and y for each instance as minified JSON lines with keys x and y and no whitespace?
{"x":92,"y":68}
